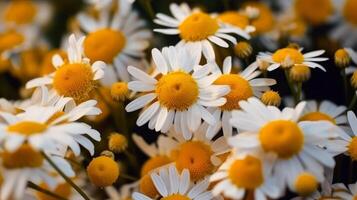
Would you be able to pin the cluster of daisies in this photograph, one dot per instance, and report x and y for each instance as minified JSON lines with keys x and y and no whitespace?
{"x":218,"y":128}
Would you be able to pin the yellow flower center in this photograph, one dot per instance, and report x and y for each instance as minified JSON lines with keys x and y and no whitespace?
{"x":240,"y":90}
{"x":234,"y":18}
{"x":354,"y":79}
{"x":177,"y":91}
{"x":64,"y":190}
{"x":198,"y":26}
{"x":352,"y":148}
{"x":147,"y":187}
{"x":282,"y":137}
{"x":271,"y":98}
{"x":246,"y":173}
{"x":154,"y":163}
{"x":265,"y":21}
{"x":349,"y":11}
{"x":24,"y":156}
{"x":27,"y":128}
{"x":74,"y":80}
{"x":299,"y":73}
{"x":342,"y":58}
{"x":103,"y":171}
{"x":288,"y":57}
{"x":315,"y":12}
{"x":196,"y":157}
{"x":20,"y":12}
{"x":317,"y":116}
{"x":117,"y":142}
{"x":119,"y":91}
{"x":104,"y":45}
{"x":306,"y":184}
{"x":10,"y":39}
{"x":175,"y":197}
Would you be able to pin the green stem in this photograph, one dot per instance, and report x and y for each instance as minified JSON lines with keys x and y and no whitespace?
{"x":345,"y":84}
{"x":353,"y":102}
{"x":299,"y":91}
{"x":148,"y":8}
{"x":66,"y":178}
{"x":129,"y":177}
{"x":131,"y":159}
{"x":291,"y":86}
{"x":44,"y":191}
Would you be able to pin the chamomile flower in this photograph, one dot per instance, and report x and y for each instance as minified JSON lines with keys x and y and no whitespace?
{"x":25,"y":13}
{"x":28,"y":165}
{"x":314,"y":12}
{"x":15,"y":40}
{"x":350,"y":193}
{"x":180,"y":94}
{"x":346,"y":30}
{"x":242,"y":173}
{"x":348,"y":142}
{"x":74,"y":78}
{"x":201,"y":155}
{"x":198,"y":29}
{"x":295,"y":144}
{"x":243,"y":86}
{"x":117,"y":40}
{"x":288,"y":57}
{"x":326,"y":111}
{"x":172,"y":185}
{"x":43,"y":129}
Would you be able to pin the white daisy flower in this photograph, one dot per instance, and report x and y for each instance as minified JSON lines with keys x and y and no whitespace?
{"x":348,"y":194}
{"x":243,"y":86}
{"x":74,"y":78}
{"x":348,"y":141}
{"x":346,"y":30}
{"x":25,"y":13}
{"x":198,"y":30}
{"x":180,"y":95}
{"x":46,"y":128}
{"x":117,"y":40}
{"x":201,"y":155}
{"x":172,"y":185}
{"x":295,"y":144}
{"x":28,"y":165}
{"x":326,"y":111}
{"x":288,"y":57}
{"x":15,"y":40}
{"x":246,"y":172}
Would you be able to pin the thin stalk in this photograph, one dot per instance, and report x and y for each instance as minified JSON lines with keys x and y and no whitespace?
{"x":345,"y":84}
{"x":291,"y":86}
{"x":129,"y":177}
{"x":148,"y":8}
{"x":44,"y":191}
{"x":353,"y":102}
{"x":299,"y":91}
{"x":66,"y":178}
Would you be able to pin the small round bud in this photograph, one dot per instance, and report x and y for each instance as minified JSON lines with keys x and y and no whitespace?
{"x":243,"y":49}
{"x":342,"y":58}
{"x":306,"y":184}
{"x":117,"y":142}
{"x":120,"y":91}
{"x":271,"y":98}
{"x":103,"y":171}
{"x":300,"y":73}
